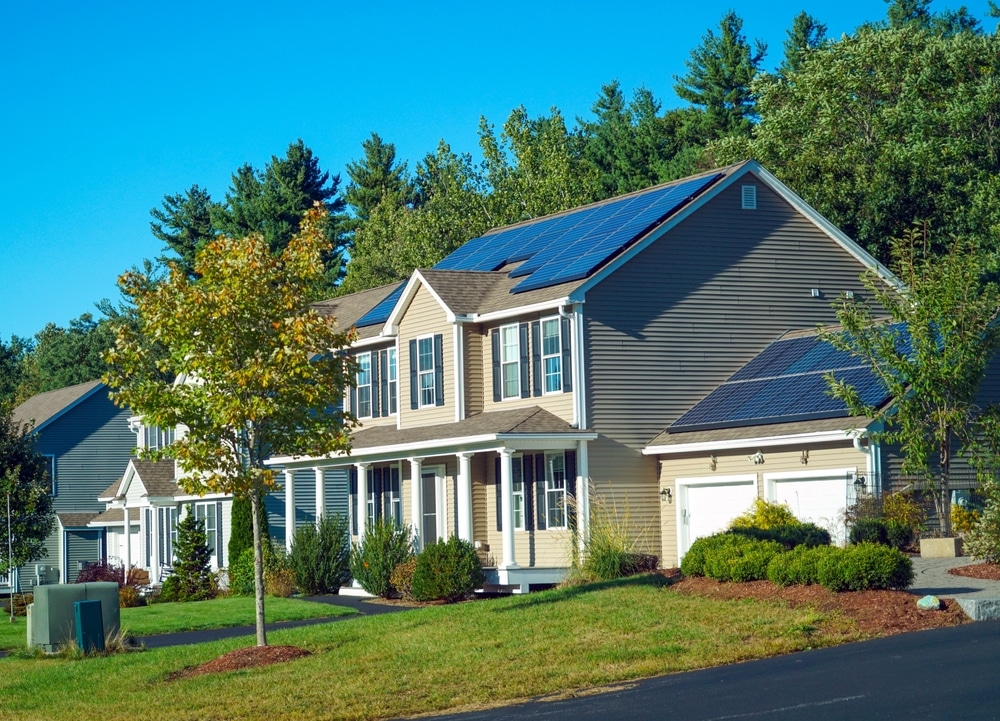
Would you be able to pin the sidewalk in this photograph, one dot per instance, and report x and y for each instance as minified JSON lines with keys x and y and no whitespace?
{"x":931,"y":577}
{"x":364,"y":607}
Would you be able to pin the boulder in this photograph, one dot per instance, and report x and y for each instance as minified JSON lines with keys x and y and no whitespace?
{"x":929,"y":603}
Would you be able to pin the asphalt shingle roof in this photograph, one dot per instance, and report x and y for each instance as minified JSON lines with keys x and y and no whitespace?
{"x":40,"y":408}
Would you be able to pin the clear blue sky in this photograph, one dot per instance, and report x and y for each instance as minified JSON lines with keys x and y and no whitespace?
{"x":108,"y":106}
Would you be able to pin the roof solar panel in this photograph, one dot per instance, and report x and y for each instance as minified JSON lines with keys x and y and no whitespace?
{"x":380,"y":313}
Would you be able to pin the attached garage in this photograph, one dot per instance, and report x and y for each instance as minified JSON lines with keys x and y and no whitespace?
{"x":818,"y":497}
{"x":708,"y":505}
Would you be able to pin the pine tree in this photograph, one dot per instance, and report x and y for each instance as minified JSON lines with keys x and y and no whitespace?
{"x":192,"y":577}
{"x":805,"y":35}
{"x":377,"y":178}
{"x":185,"y":225}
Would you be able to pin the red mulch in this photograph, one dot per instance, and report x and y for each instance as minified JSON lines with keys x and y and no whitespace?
{"x":985,"y":571}
{"x":249,"y":657}
{"x":876,"y":613}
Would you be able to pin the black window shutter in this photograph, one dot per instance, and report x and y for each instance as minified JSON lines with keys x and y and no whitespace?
{"x":528,"y":475}
{"x":393,"y":483}
{"x":536,"y":357}
{"x":383,"y":365}
{"x":375,"y":489}
{"x":439,"y":370}
{"x":353,"y":500}
{"x":218,"y":534}
{"x":525,"y":361}
{"x":495,"y":341}
{"x":414,"y":390}
{"x":540,"y":490}
{"x":496,"y":467}
{"x":354,"y":401}
{"x":373,"y":363}
{"x":570,"y":466}
{"x":567,"y":355}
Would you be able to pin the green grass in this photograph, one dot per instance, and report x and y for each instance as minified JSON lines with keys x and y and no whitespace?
{"x":173,"y":617}
{"x":429,"y":659}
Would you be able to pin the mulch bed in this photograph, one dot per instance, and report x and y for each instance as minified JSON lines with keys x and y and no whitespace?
{"x":985,"y":571}
{"x":249,"y":657}
{"x":876,"y":613}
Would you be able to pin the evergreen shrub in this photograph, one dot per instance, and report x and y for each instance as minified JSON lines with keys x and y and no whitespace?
{"x":383,"y":547}
{"x":447,"y":571}
{"x":320,"y":557}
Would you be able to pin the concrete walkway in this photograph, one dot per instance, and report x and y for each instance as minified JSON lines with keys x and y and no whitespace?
{"x":978,"y":598}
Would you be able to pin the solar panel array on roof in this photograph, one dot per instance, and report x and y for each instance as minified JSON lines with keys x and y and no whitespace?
{"x":572,"y":245}
{"x":380,"y":313}
{"x":785,"y":382}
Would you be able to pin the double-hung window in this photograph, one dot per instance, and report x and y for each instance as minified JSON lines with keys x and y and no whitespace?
{"x":391,"y":373}
{"x":50,"y":466}
{"x":425,"y":370}
{"x":552,"y":355}
{"x":364,"y":385}
{"x":155,"y":437}
{"x":206,"y":513}
{"x":555,"y":490}
{"x":510,"y":359}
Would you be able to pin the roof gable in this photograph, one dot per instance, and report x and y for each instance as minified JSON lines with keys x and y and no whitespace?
{"x":157,"y":478}
{"x":45,"y":408}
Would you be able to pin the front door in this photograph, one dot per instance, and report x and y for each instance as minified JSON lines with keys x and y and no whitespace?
{"x":428,"y":491}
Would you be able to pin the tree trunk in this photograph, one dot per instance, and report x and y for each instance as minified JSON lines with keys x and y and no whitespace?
{"x":944,"y":489}
{"x":258,"y":567}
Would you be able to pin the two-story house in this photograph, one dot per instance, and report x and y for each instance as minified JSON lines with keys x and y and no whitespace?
{"x":532,"y":367}
{"x":87,"y":441}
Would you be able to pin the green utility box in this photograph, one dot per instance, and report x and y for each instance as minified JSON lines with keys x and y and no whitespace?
{"x":89,"y":625}
{"x":53,"y":615}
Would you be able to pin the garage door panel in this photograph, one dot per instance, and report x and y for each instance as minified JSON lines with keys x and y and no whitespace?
{"x":710,"y":508}
{"x":815,"y":500}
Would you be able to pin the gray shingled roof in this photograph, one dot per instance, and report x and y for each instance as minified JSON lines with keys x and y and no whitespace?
{"x":157,"y":477}
{"x":517,"y":420}
{"x":348,"y":309}
{"x":759,"y":431}
{"x":42,"y":408}
{"x":111,"y":491}
{"x":466,"y":291}
{"x":114,"y":515}
{"x":75,"y":520}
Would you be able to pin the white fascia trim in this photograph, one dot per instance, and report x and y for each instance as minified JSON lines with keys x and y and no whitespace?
{"x":741,"y":479}
{"x":519,"y":310}
{"x":809,"y":475}
{"x":374,"y":340}
{"x":741,"y":443}
{"x":391,"y":326}
{"x":350,"y":458}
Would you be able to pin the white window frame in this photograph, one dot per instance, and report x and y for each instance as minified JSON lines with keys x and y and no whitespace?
{"x":154,"y":437}
{"x":51,"y":460}
{"x":392,"y":499}
{"x":518,"y":508}
{"x":507,"y":364}
{"x":206,"y":512}
{"x":363,"y":385}
{"x":555,"y":492}
{"x":426,"y":391}
{"x":554,"y":358}
{"x":393,"y":383}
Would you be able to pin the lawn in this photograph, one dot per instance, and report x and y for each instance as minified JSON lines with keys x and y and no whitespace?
{"x":429,"y":659}
{"x":171,"y":617}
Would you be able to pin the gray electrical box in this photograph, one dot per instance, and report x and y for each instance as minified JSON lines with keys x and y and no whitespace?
{"x":53,"y":617}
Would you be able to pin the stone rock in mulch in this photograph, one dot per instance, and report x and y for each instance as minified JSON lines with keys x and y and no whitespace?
{"x":981,"y":609}
{"x":929,"y":603}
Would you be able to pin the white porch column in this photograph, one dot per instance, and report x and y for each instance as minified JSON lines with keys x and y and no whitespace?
{"x":416,"y":501}
{"x":507,"y":511}
{"x":362,"y":498}
{"x":289,"y":508}
{"x":583,"y":494}
{"x":464,"y":496}
{"x":320,"y":494}
{"x":154,"y":555}
{"x":127,"y":548}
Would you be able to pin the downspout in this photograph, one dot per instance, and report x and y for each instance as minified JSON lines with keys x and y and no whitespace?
{"x":459,"y":346}
{"x":575,"y":317}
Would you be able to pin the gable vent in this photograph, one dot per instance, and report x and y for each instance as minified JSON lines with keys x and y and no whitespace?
{"x":749,"y":197}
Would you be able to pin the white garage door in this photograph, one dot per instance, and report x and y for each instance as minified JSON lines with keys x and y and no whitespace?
{"x":817,"y":497}
{"x":708,"y":505}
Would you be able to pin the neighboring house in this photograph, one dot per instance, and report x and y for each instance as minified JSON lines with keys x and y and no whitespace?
{"x":532,"y":366}
{"x":149,"y":493}
{"x":87,"y":440}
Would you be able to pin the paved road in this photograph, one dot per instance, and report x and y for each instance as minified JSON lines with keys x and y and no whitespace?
{"x":934,"y":675}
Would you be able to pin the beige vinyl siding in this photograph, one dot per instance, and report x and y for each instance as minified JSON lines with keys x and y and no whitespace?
{"x":480,"y":504}
{"x":532,"y":549}
{"x":623,"y":482}
{"x":425,"y":317}
{"x":560,"y":404}
{"x":474,"y":378}
{"x":781,"y":459}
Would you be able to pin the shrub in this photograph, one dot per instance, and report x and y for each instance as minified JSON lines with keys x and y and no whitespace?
{"x":741,"y":562}
{"x":963,"y":518}
{"x":401,"y":578}
{"x":279,"y":581}
{"x":241,"y":581}
{"x":904,"y":509}
{"x":869,"y":530}
{"x":447,"y":571}
{"x":864,"y":567}
{"x":798,"y":567}
{"x":789,"y":535}
{"x":101,"y":572}
{"x":241,"y":527}
{"x":320,"y":557}
{"x":763,"y":514}
{"x":641,"y":563}
{"x":983,"y":541}
{"x":383,"y":547}
{"x":129,"y":597}
{"x":693,"y":563}
{"x":899,"y":535}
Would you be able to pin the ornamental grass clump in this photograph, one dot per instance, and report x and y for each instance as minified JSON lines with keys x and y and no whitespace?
{"x":383,"y":547}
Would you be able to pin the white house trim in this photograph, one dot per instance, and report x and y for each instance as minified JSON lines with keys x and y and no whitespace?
{"x":540,"y":307}
{"x":757,"y":442}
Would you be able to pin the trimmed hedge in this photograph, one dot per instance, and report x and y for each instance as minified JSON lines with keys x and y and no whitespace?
{"x":790,"y":535}
{"x":798,"y":567}
{"x":864,"y":567}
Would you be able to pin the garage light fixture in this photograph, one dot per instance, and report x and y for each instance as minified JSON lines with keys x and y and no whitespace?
{"x":804,"y":458}
{"x":713,"y":463}
{"x":666,"y":495}
{"x":757,"y":458}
